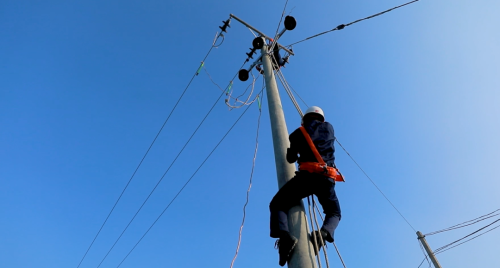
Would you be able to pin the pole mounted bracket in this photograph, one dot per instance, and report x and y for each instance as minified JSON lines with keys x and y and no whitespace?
{"x":289,"y":24}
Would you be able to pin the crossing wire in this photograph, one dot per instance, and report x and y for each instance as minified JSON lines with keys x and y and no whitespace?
{"x":184,"y":186}
{"x":249,"y":185}
{"x":342,"y":26}
{"x":147,"y":151}
{"x":162,"y":177}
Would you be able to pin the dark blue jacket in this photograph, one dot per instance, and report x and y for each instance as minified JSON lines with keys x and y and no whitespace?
{"x":323,"y":137}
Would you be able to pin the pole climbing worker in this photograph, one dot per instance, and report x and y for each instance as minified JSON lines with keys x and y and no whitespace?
{"x":312,"y":146}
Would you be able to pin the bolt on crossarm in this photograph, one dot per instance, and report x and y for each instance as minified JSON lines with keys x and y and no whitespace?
{"x":433,"y":258}
{"x":303,"y":256}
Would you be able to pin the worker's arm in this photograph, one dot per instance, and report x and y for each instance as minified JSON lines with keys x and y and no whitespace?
{"x":292,"y":153}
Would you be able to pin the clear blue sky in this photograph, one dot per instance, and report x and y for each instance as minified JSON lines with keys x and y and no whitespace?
{"x":85,"y":86}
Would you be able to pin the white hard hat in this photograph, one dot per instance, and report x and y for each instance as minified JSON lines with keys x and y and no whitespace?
{"x":315,"y":110}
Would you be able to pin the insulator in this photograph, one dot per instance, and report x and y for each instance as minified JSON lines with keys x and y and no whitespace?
{"x":258,"y":43}
{"x":226,"y":24}
{"x":250,"y":54}
{"x":290,"y":23}
{"x":243,"y":75}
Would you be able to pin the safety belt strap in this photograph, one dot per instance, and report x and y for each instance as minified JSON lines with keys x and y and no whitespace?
{"x":313,"y":147}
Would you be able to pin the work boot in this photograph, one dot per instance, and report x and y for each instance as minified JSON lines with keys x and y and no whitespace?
{"x":286,"y":243}
{"x":321,"y":238}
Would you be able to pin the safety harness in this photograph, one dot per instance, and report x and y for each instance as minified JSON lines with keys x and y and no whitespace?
{"x":319,"y":167}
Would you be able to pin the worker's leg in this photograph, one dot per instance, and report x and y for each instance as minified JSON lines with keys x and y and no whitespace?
{"x":288,"y":196}
{"x":325,"y":191}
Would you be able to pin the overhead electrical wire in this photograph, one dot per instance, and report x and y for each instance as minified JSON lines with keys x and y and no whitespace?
{"x":149,"y":148}
{"x":466,"y":223}
{"x":161,"y":179}
{"x":374,"y":184}
{"x":472,"y":238}
{"x":447,"y":247}
{"x":184,"y":186}
{"x":163,"y":176}
{"x":342,"y":26}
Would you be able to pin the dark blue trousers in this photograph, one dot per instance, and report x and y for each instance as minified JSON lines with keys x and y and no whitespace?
{"x":302,"y":185}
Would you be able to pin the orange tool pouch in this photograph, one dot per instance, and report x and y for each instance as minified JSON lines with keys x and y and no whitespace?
{"x":319,"y":167}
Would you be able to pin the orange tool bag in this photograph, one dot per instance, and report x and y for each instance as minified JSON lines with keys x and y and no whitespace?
{"x":319,"y":167}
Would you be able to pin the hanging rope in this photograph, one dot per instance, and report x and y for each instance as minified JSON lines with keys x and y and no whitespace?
{"x":315,"y":242}
{"x":335,"y":245}
{"x":323,"y":243}
{"x":229,"y":91}
{"x":249,"y":186}
{"x":283,"y":81}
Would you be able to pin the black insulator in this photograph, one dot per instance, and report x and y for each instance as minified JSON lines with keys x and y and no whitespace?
{"x":290,"y":23}
{"x":226,"y":24}
{"x":341,"y":26}
{"x":243,"y":75}
{"x":258,"y":43}
{"x":250,"y":54}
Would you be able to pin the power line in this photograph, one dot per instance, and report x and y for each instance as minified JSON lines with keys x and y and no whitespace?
{"x":184,"y":186}
{"x":469,"y":239}
{"x":147,"y":151}
{"x":161,"y":179}
{"x":386,"y":198}
{"x":163,"y":176}
{"x":342,"y":26}
{"x":466,"y":223}
{"x":441,"y":249}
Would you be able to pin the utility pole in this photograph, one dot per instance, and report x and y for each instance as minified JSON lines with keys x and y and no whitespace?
{"x":303,"y":256}
{"x":421,"y":237}
{"x":303,"y":253}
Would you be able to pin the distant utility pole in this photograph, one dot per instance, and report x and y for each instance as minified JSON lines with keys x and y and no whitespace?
{"x":421,"y":237}
{"x":303,"y":254}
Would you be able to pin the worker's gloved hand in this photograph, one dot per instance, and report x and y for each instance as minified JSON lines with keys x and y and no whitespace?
{"x":291,"y":156}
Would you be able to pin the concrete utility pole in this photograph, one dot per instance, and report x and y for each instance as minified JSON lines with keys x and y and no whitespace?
{"x":303,"y":256}
{"x":421,"y":237}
